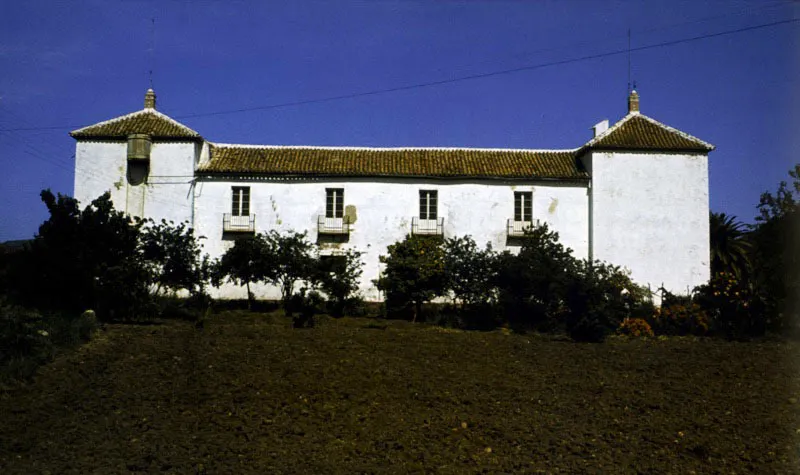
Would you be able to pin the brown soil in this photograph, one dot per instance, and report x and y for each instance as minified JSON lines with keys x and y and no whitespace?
{"x":251,"y":395}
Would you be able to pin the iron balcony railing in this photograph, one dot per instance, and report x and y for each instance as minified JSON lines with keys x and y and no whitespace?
{"x":427,"y":227}
{"x":238,"y":224}
{"x":518,"y":228}
{"x":327,"y":225}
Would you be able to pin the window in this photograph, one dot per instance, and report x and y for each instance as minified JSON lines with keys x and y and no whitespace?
{"x":427,"y":204}
{"x":523,"y":209}
{"x":240,"y":205}
{"x":334,"y":202}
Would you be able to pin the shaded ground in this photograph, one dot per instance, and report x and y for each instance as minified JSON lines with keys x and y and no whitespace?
{"x":249,"y":394}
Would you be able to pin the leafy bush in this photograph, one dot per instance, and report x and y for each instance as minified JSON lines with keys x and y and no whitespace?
{"x":732,"y":307}
{"x":532,"y":285}
{"x":288,"y":259}
{"x":29,"y":339}
{"x":546,"y":288}
{"x":681,"y":319}
{"x":23,"y":334}
{"x":303,"y":306}
{"x":481,"y":316}
{"x":84,"y":259}
{"x":174,"y":308}
{"x":776,"y":257}
{"x":599,"y":297}
{"x":102,"y":259}
{"x":122,"y":293}
{"x":414,"y":274}
{"x":174,"y":257}
{"x":338,"y":278}
{"x":281,"y":259}
{"x":469,"y":271}
{"x":635,"y":327}
{"x":243,"y":264}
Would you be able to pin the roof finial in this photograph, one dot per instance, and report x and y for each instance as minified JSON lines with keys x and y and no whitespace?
{"x":633,"y":102}
{"x":150,"y":99}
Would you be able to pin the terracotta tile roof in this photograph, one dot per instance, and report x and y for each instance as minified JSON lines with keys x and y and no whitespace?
{"x":145,"y":121}
{"x":411,"y":162}
{"x":638,"y":132}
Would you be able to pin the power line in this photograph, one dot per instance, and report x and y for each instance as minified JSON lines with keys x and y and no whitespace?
{"x":490,"y":74}
{"x":33,"y":152}
{"x":641,"y":32}
{"x":14,"y":116}
{"x":457,"y":79}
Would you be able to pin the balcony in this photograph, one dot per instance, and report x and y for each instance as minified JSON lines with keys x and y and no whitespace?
{"x":427,"y":227}
{"x":333,"y":226}
{"x":518,"y":228}
{"x":238,"y":224}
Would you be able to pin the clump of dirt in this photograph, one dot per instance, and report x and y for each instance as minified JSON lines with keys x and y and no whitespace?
{"x":249,"y":394}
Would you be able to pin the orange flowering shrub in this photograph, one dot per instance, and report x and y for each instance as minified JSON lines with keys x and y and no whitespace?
{"x":734,"y":307}
{"x":681,"y":318}
{"x":635,"y":327}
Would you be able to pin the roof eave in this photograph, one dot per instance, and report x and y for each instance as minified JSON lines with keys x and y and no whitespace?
{"x":213,"y":173}
{"x":643,"y":149}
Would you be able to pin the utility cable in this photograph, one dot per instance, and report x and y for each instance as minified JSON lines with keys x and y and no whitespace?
{"x":457,"y":79}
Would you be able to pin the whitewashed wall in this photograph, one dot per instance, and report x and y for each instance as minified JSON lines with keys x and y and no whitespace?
{"x":649,"y":211}
{"x":650,"y":214}
{"x":384,"y":209}
{"x":102,"y":166}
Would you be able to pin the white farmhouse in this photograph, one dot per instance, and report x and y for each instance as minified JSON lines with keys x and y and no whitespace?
{"x":635,"y":195}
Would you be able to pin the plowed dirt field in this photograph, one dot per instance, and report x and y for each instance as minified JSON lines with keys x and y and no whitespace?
{"x":249,"y":394}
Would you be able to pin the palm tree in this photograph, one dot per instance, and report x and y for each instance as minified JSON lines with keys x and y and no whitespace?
{"x":730,"y":247}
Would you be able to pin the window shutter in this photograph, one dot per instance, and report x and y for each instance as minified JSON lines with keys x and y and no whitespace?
{"x":523,"y":206}
{"x":329,"y":203}
{"x":234,"y":201}
{"x":246,"y":201}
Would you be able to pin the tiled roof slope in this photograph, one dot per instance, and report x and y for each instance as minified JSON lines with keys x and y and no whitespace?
{"x":411,"y":162}
{"x":639,"y":132}
{"x":145,"y":121}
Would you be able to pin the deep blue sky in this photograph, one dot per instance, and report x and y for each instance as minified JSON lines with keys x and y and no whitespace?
{"x":69,"y":64}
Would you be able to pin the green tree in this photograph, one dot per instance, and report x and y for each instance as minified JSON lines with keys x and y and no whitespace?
{"x":730,"y":247}
{"x":470,"y":271}
{"x":339,"y":277}
{"x":243,"y":264}
{"x":86,"y":259}
{"x":783,"y":202}
{"x":288,"y":258}
{"x":174,"y":256}
{"x":532,"y":285}
{"x":414,"y":273}
{"x":776,"y":256}
{"x":599,"y":297}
